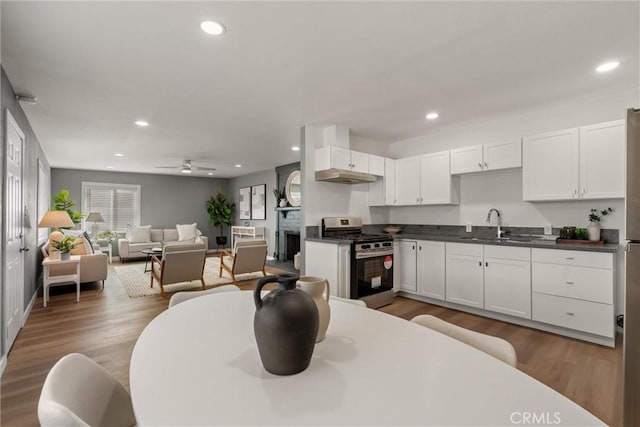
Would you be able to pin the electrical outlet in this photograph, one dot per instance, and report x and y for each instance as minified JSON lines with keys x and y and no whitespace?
{"x":548,"y":229}
{"x":469,"y":227}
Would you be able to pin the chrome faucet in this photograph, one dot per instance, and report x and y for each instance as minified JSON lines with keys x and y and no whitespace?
{"x":499,"y":222}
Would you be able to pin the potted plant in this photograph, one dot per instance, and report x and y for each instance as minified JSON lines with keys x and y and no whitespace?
{"x":106,"y":237}
{"x":61,"y":202}
{"x":220,"y":213}
{"x":281,"y":197}
{"x":65,"y":245}
{"x":595,"y":217}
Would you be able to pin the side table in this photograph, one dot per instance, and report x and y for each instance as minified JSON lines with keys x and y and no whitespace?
{"x":48,"y":280}
{"x":107,"y":249}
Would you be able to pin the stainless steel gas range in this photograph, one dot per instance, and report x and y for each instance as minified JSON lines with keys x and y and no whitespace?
{"x":371,"y":260}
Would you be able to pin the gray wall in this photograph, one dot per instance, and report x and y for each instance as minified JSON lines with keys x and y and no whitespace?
{"x":165,"y":200}
{"x":267,"y":177}
{"x":32,"y":152}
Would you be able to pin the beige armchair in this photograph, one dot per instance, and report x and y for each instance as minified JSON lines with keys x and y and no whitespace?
{"x":249,"y":256}
{"x":182,"y":263}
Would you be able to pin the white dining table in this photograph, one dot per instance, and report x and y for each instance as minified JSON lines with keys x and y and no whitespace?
{"x":198,"y":364}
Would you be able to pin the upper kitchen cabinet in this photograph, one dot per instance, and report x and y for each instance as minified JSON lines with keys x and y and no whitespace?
{"x":382,"y":192}
{"x":579,"y":163}
{"x":486,"y":157}
{"x":425,"y":180}
{"x":332,"y":157}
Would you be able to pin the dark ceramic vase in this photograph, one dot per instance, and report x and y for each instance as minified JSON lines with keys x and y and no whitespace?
{"x":285,"y":325}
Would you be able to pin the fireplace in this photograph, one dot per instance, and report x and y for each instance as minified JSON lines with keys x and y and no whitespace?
{"x":291,"y":244}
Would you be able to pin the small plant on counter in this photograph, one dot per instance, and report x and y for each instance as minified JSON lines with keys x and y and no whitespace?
{"x":581,"y":233}
{"x":596,"y":216}
{"x":109,"y":235}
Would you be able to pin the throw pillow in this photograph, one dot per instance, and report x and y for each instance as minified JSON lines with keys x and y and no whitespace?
{"x":187,"y":232}
{"x":157,"y":235}
{"x":81,"y":248}
{"x":87,"y":243}
{"x":139,"y":234}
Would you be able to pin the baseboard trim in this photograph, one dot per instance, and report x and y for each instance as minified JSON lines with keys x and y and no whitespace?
{"x":3,"y":364}
{"x":27,"y":310}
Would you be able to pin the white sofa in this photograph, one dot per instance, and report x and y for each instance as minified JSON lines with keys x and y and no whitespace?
{"x":159,"y":238}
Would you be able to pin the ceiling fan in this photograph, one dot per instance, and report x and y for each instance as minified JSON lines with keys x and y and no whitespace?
{"x":187,"y":167}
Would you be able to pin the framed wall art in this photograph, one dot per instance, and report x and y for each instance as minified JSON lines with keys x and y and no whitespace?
{"x":259,"y":202}
{"x":245,"y":203}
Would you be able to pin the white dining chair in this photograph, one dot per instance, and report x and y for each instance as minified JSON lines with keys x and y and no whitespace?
{"x":493,"y":346}
{"x":80,"y":392}
{"x":179,"y":297}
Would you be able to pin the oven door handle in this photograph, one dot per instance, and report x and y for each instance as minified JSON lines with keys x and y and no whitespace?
{"x":373,"y":255}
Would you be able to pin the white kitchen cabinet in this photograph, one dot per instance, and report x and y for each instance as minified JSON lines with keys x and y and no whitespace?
{"x":507,"y":280}
{"x":382,"y":192}
{"x":425,"y":180}
{"x":376,"y":165}
{"x":579,"y":163}
{"x":407,"y":182}
{"x":602,"y":153}
{"x":436,"y":184}
{"x":332,"y":262}
{"x":486,"y":157}
{"x":332,"y":157}
{"x":405,"y":260}
{"x":464,"y":274}
{"x":573,"y":289}
{"x":430,"y":266}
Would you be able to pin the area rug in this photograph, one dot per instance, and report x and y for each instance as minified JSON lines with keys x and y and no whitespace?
{"x":136,"y":282}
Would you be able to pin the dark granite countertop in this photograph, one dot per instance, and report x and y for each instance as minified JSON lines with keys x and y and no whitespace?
{"x":525,"y":242}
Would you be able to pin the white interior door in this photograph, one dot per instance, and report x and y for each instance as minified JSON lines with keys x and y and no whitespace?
{"x":14,"y":276}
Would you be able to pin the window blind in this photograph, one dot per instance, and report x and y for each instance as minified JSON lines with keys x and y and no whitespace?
{"x":119,"y":205}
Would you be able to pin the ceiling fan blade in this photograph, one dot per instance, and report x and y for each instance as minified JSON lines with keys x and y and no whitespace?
{"x":166,"y":167}
{"x":199,"y":168}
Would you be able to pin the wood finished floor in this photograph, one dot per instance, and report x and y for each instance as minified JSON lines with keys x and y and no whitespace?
{"x":105,"y":326}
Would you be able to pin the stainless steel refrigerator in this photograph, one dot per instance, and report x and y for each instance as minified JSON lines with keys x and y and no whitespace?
{"x":631,"y":415}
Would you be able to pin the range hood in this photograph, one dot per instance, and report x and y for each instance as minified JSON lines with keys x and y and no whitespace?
{"x":344,"y":176}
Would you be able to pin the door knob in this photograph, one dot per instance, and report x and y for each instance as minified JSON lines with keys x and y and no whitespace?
{"x":24,"y":249}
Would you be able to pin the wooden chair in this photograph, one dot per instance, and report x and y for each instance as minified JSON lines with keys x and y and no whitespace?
{"x":180,"y":297}
{"x":80,"y":392}
{"x":180,"y":263}
{"x":493,"y":346}
{"x":249,"y":255}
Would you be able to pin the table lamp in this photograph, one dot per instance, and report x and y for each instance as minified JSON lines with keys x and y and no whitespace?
{"x":94,"y":217}
{"x":56,"y":220}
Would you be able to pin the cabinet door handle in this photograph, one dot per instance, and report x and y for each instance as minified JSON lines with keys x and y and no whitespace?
{"x":418,"y":200}
{"x":575,"y":191}
{"x":480,"y":165}
{"x":413,"y":248}
{"x":486,"y":264}
{"x":419,"y":247}
{"x":486,"y":165}
{"x":570,"y":313}
{"x":480,"y":263}
{"x":569,"y":257}
{"x":584,"y":190}
{"x":568,"y":282}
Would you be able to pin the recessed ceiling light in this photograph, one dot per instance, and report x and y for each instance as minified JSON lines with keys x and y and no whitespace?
{"x":212,"y":27}
{"x":210,"y":173}
{"x":238,"y":166}
{"x":295,"y":148}
{"x":186,"y":171}
{"x":432,"y":116}
{"x":607,"y":66}
{"x":142,"y":123}
{"x":119,"y":155}
{"x":109,"y":167}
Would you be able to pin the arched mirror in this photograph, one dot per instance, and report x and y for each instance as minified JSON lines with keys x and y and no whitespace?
{"x":292,"y":188}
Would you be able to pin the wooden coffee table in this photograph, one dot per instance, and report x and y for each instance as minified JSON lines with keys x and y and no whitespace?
{"x":151,"y":252}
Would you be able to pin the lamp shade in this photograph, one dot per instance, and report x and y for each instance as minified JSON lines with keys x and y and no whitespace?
{"x":56,"y":219}
{"x":94,"y":217}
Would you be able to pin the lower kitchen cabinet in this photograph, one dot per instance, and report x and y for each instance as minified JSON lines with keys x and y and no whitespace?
{"x":331,"y":261}
{"x":406,"y":264}
{"x":574,"y":290}
{"x":507,"y":280}
{"x":430,"y":265}
{"x":464,"y":274}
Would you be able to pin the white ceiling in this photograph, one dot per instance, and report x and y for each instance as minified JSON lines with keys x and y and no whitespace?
{"x":376,"y":67}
